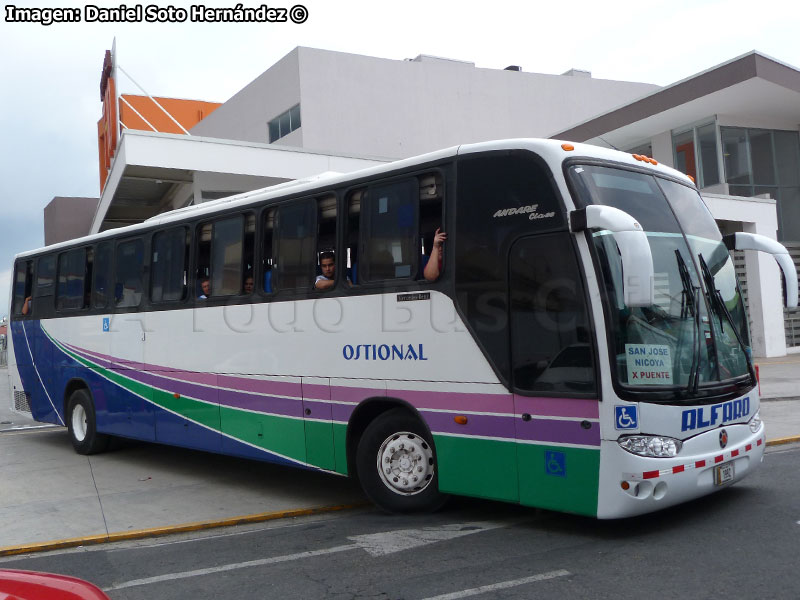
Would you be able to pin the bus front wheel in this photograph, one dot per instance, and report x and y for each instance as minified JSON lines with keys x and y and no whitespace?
{"x":397,"y":464}
{"x":82,"y":424}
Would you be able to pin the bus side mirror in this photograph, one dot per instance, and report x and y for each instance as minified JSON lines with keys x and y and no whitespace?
{"x":637,"y":260}
{"x":754,"y":241}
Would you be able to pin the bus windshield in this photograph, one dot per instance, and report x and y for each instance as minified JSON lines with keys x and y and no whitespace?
{"x":694,"y":336}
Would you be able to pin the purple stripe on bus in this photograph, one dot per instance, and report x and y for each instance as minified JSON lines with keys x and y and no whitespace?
{"x":277,"y":405}
{"x":565,"y":432}
{"x":260,"y":386}
{"x":488,"y":426}
{"x":316,"y":391}
{"x":355,"y":394}
{"x":342,"y":412}
{"x":247,"y":384}
{"x":497,"y":403}
{"x":585,"y":408}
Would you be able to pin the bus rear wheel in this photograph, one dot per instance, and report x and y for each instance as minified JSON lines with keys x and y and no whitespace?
{"x":82,"y":424}
{"x":397,"y":464}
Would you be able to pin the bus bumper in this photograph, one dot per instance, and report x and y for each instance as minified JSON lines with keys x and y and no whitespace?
{"x":633,"y":485}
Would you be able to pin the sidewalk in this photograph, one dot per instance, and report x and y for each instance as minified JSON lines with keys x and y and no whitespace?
{"x":48,"y":492}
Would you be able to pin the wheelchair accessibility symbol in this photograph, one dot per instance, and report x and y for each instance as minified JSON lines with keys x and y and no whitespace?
{"x":555,"y":463}
{"x":626,"y":417}
{"x":106,"y":324}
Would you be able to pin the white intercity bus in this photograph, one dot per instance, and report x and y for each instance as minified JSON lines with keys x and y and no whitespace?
{"x":581,"y":345}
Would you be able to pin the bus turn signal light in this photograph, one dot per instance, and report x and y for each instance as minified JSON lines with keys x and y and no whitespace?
{"x":461,"y":420}
{"x":568,"y":147}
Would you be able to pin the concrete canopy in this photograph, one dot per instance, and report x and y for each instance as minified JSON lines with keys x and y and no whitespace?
{"x":157,"y":172}
{"x":753,"y":86}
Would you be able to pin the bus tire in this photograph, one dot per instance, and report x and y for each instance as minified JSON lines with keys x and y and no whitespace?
{"x":82,"y":424}
{"x":396,"y":464}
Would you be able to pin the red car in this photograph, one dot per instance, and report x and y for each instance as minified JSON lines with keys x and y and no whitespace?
{"x":31,"y":585}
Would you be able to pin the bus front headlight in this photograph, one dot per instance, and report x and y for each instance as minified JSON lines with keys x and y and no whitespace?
{"x":657,"y":446}
{"x":755,"y":422}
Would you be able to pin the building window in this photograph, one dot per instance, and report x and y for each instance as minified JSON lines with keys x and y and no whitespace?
{"x":695,"y":153}
{"x":765,"y":161}
{"x":284,"y":124}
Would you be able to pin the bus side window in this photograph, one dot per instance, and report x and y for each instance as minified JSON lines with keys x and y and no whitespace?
{"x":203,"y":259}
{"x":169,"y":265}
{"x":431,"y":200}
{"x":352,"y":238}
{"x":129,"y":273}
{"x":389,"y":230}
{"x":267,"y":257}
{"x":23,"y":288}
{"x":45,"y":282}
{"x":326,"y":234}
{"x":248,"y":258}
{"x":103,"y":274}
{"x":296,"y":231}
{"x":70,"y":291}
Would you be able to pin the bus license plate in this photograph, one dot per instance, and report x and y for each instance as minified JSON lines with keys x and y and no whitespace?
{"x":723,"y":473}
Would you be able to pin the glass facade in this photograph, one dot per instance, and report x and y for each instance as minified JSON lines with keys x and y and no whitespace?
{"x":695,"y":153}
{"x":765,"y":161}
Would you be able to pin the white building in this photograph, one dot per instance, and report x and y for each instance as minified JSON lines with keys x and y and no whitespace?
{"x":734,"y":127}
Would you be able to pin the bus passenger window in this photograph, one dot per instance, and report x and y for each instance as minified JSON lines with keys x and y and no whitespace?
{"x":103,"y":274}
{"x":248,"y":260}
{"x":23,"y":285}
{"x":389,"y":221}
{"x":71,"y":277}
{"x":294,"y":267}
{"x":431,"y":219}
{"x":267,"y":257}
{"x":45,"y":282}
{"x":352,"y":235}
{"x":169,"y":264}
{"x":326,"y":267}
{"x":226,"y":257}
{"x":129,"y":270}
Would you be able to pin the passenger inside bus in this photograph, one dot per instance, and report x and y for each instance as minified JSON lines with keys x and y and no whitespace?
{"x":327,"y":264}
{"x":248,"y":284}
{"x":205,"y":288}
{"x":433,"y":262}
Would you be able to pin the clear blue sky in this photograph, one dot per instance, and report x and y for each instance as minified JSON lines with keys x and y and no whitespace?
{"x":50,"y":75}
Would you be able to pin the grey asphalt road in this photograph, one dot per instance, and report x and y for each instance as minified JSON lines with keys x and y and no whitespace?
{"x":742,"y":542}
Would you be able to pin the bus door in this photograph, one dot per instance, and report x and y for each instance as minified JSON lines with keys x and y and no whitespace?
{"x":553,"y":376}
{"x":318,"y":421}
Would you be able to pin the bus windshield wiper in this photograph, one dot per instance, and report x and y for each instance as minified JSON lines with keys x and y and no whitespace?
{"x":690,"y":301}
{"x":718,"y":303}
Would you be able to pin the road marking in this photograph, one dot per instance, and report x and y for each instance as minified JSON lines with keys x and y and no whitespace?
{"x":376,"y":544}
{"x":500,"y":586}
{"x":388,"y":542}
{"x":231,"y":567}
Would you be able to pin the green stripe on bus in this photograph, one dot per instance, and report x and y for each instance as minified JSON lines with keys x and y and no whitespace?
{"x":569,"y":483}
{"x":477,"y":467}
{"x":281,"y":435}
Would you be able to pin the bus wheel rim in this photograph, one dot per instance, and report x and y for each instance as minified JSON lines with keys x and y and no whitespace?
{"x":405,"y":463}
{"x":79,"y":425}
